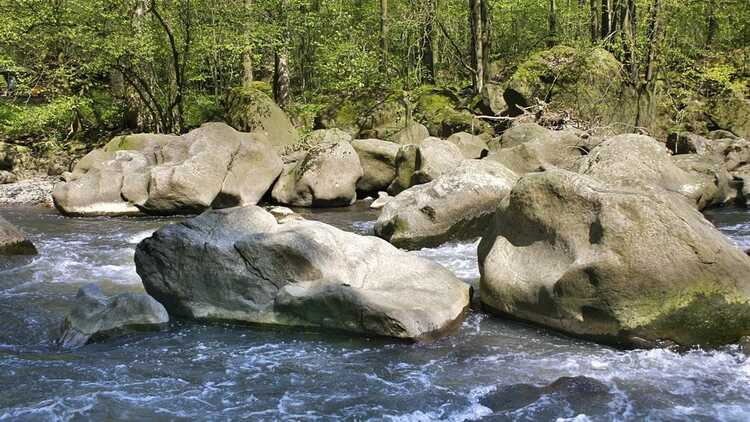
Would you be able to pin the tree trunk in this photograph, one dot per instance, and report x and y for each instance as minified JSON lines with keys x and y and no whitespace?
{"x":648,"y":87}
{"x":281,"y":79}
{"x":552,"y":22}
{"x":247,"y":55}
{"x":384,"y":36}
{"x":653,"y":36}
{"x":480,"y":42}
{"x":713,"y":23}
{"x":606,"y":22}
{"x":427,"y":56}
{"x":631,"y":46}
{"x":594,"y":21}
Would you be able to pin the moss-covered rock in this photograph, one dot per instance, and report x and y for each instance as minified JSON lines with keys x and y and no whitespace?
{"x":730,"y":112}
{"x":589,"y":84}
{"x":614,"y":264}
{"x":251,"y":110}
{"x":439,"y":109}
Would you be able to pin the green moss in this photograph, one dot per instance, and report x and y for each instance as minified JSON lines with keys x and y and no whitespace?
{"x":704,"y":314}
{"x":126,"y":142}
{"x":440,"y":110}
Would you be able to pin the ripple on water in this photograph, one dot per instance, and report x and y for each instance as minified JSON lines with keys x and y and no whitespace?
{"x":459,"y":257}
{"x":218,"y":372}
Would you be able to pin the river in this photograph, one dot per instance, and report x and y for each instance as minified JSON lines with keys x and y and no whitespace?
{"x":218,"y":372}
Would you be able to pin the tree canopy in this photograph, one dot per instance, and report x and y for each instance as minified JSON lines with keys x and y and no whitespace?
{"x":84,"y":68}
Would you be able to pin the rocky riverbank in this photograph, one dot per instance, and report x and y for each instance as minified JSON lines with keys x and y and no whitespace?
{"x":596,"y":235}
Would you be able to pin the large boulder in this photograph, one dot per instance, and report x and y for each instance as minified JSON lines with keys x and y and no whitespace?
{"x":378,"y":160}
{"x":417,"y":164}
{"x":212,"y":166}
{"x":613,"y":264}
{"x":641,"y":162}
{"x":252,"y":110}
{"x":326,"y":176}
{"x":716,"y":185}
{"x":471,"y":146}
{"x":520,"y":134}
{"x":98,"y":191}
{"x":730,"y":112}
{"x":13,"y":241}
{"x":95,"y":317}
{"x":327,"y":136}
{"x":441,"y":112}
{"x":534,"y":150}
{"x":456,"y":205}
{"x":240,"y":265}
{"x":492,"y":98}
{"x":588,"y":84}
{"x":413,"y":133}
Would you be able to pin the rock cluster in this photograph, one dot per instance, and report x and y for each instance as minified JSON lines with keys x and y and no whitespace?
{"x":599,"y":237}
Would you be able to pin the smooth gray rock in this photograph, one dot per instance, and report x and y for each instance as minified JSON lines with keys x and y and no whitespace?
{"x":240,"y":265}
{"x":327,"y":176}
{"x":641,"y":162}
{"x":212,"y":166}
{"x":613,"y":264}
{"x":417,"y":164}
{"x":716,"y":185}
{"x":413,"y":133}
{"x":381,"y":201}
{"x":95,"y":317}
{"x":532,"y":148}
{"x":471,"y":146}
{"x":457,"y":205}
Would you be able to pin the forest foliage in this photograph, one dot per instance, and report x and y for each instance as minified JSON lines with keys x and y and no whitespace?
{"x":85,"y":69}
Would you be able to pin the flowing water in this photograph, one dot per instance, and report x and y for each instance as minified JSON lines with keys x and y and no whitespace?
{"x":216,"y":372}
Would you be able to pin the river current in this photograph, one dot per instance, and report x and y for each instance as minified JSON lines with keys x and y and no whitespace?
{"x":492,"y":368}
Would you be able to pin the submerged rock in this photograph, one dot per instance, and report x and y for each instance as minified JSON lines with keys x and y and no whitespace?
{"x":95,"y":317}
{"x":326,"y":176}
{"x":577,"y":395}
{"x":241,"y":265}
{"x":617,"y":265}
{"x":457,"y":205}
{"x":212,"y":166}
{"x":13,"y":241}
